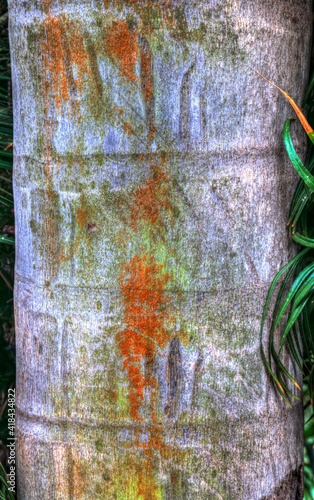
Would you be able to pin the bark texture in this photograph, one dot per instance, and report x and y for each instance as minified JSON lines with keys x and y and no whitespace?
{"x":151,"y":195}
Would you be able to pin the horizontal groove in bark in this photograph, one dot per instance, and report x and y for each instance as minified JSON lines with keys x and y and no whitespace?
{"x":59,"y":286}
{"x":26,"y":418}
{"x":230,"y":153}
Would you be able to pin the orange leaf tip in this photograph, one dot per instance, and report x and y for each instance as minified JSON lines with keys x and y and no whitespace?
{"x":307,"y":127}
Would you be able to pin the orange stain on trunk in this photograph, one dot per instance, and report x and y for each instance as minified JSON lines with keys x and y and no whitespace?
{"x":151,"y":199}
{"x":145,"y":314}
{"x":148,"y":325}
{"x":81,"y":218}
{"x":63,"y":50}
{"x":121,"y":45}
{"x":64,"y":65}
{"x":146,"y":71}
{"x":147,"y":320}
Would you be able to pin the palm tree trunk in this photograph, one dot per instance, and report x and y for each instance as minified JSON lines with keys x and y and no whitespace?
{"x":151,"y":195}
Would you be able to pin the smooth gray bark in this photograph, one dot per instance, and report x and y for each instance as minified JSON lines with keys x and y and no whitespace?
{"x":104,"y":93}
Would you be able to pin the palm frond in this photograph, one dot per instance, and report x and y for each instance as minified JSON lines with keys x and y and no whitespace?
{"x":292,"y":312}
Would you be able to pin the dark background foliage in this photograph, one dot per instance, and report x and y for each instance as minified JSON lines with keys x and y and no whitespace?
{"x":7,"y":341}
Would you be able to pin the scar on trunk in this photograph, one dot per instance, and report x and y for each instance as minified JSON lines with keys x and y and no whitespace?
{"x":199,"y":367}
{"x":185,"y":111}
{"x":147,"y":84}
{"x":174,"y":376}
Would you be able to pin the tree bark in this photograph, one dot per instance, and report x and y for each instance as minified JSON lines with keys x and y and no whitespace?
{"x":151,"y":196}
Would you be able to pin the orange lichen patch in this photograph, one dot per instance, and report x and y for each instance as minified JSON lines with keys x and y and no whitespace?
{"x":63,"y":49}
{"x":113,"y":395}
{"x":147,"y":86}
{"x":65,"y":256}
{"x":137,"y":479}
{"x":151,"y":199}
{"x":81,"y":217}
{"x":146,"y":71}
{"x":152,"y":131}
{"x":54,"y":61}
{"x":78,"y":477}
{"x":145,"y":313}
{"x":118,"y":110}
{"x":127,"y":127}
{"x":121,"y":45}
{"x":76,"y":246}
{"x":153,"y":450}
{"x":109,"y":3}
{"x":79,"y":57}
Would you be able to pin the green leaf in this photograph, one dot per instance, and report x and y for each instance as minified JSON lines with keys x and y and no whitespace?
{"x":294,"y":288}
{"x":280,"y":388}
{"x":3,"y":479}
{"x":292,"y":318}
{"x":283,"y":369}
{"x":298,"y":208}
{"x":296,"y":162}
{"x":311,"y":386}
{"x":7,"y":240}
{"x":275,"y":281}
{"x":303,"y":240}
{"x":290,"y":271}
{"x":304,"y":290}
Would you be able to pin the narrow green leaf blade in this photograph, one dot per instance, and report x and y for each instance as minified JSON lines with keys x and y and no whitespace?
{"x":296,"y":162}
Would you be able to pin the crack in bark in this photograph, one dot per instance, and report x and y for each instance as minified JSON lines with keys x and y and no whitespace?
{"x":199,"y":367}
{"x":147,"y":84}
{"x":174,"y":375}
{"x":185,"y":111}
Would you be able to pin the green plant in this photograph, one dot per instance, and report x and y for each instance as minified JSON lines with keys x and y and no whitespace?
{"x":294,"y":303}
{"x":293,"y":311}
{"x":5,"y":493}
{"x":309,"y":461}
